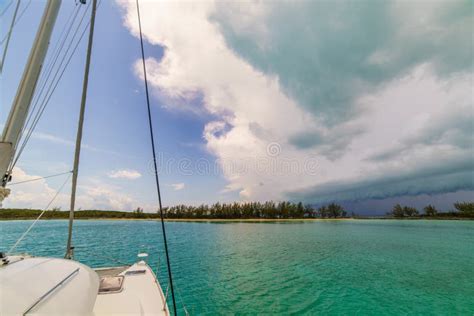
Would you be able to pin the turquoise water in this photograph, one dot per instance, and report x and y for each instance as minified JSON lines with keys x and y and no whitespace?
{"x":365,"y":267}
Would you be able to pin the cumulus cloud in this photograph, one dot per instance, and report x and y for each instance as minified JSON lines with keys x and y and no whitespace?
{"x":378,"y":94}
{"x":92,"y":194}
{"x":98,"y":195}
{"x":325,"y":54}
{"x":34,"y":194}
{"x":124,"y":174}
{"x":330,"y":54}
{"x":178,"y":186}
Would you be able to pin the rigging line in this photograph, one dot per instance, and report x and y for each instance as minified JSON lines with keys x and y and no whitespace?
{"x":4,"y":54}
{"x":6,"y":8}
{"x":46,"y":97}
{"x":39,"y":95}
{"x":51,"y":64}
{"x":57,"y":50}
{"x":74,"y":13}
{"x":152,"y":139}
{"x":182,"y":301}
{"x":39,"y":178}
{"x":38,"y":218}
{"x":100,"y":255}
{"x":30,"y":132}
{"x":17,"y":20}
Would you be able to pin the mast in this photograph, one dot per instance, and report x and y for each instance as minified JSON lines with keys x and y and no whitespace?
{"x":21,"y":104}
{"x":69,"y":249}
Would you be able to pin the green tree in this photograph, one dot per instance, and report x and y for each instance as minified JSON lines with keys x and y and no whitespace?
{"x":323,"y":212}
{"x":309,"y":211}
{"x":465,"y":208}
{"x":397,"y":211}
{"x":430,"y":210}
{"x":138,"y":212}
{"x":299,"y":210}
{"x":335,"y":210}
{"x":410,"y":211}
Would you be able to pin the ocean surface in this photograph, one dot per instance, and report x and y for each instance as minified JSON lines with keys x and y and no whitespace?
{"x":364,"y":267}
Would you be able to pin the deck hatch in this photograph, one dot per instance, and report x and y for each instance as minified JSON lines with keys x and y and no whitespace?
{"x":111,"y":284}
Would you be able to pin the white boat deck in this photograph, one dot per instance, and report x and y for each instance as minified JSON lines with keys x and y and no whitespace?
{"x":52,"y":286}
{"x":141,"y":294}
{"x":46,"y":286}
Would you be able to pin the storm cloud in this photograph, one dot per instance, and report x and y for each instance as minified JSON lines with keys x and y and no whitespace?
{"x":380,"y":93}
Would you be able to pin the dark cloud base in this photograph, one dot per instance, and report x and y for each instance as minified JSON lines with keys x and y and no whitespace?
{"x":376,"y":207}
{"x":455,"y":176}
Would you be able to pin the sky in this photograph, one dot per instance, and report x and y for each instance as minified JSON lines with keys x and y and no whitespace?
{"x":366,"y":103}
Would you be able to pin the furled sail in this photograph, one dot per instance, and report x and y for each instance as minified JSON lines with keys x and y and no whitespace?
{"x":19,"y":111}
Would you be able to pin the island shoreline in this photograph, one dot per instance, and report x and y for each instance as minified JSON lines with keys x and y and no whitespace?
{"x":243,"y":220}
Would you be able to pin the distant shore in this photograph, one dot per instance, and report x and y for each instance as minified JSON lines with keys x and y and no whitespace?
{"x":240,"y":220}
{"x":27,"y":214}
{"x":267,"y":220}
{"x":254,"y":220}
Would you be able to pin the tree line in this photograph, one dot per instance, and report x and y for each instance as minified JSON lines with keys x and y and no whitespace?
{"x":250,"y":210}
{"x":265,"y":210}
{"x":254,"y":210}
{"x":462,"y":209}
{"x":56,"y":213}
